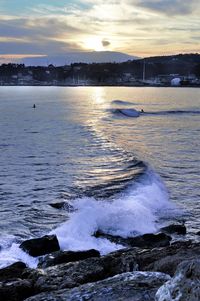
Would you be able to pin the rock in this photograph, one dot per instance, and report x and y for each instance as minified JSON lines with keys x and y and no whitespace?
{"x":16,"y":290}
{"x":66,"y":256}
{"x":71,"y":274}
{"x":13,"y":271}
{"x":142,"y":241}
{"x":150,"y":240}
{"x":63,"y":205}
{"x":58,"y":205}
{"x":113,"y":238}
{"x":137,"y":286}
{"x":178,"y":228}
{"x":198,"y":233}
{"x":120,"y":262}
{"x":184,"y":286}
{"x":41,"y":246}
{"x":66,"y":276}
{"x":167,"y":259}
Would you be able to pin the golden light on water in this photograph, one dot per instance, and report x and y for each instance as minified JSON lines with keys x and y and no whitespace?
{"x":99,"y":95}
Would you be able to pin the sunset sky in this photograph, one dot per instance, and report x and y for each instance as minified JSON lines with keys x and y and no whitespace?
{"x":136,"y":27}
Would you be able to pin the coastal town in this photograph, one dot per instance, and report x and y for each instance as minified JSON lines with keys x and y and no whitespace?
{"x":177,"y":70}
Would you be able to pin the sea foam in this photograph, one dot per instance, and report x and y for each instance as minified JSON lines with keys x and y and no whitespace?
{"x":133,"y":212}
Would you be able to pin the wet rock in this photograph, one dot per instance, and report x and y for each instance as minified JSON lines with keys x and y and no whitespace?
{"x":150,"y":240}
{"x":58,"y":205}
{"x":143,"y":241}
{"x":167,"y":259}
{"x":174,"y":228}
{"x":70,"y":274}
{"x":73,"y":274}
{"x":120,"y":262}
{"x":13,"y":271}
{"x":41,"y":246}
{"x":137,"y":286}
{"x":63,"y":205}
{"x":184,"y":286}
{"x":66,"y":256}
{"x":113,"y":238}
{"x":16,"y":290}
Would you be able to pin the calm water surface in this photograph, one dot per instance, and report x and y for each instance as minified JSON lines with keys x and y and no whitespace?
{"x":77,"y":147}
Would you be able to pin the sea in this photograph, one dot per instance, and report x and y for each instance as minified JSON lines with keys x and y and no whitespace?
{"x":83,"y":149}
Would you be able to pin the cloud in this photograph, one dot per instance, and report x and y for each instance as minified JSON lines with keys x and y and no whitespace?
{"x":105,"y":43}
{"x":168,"y":7}
{"x":131,"y":26}
{"x":37,"y":35}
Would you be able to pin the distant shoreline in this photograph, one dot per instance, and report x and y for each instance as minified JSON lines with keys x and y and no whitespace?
{"x":101,"y":85}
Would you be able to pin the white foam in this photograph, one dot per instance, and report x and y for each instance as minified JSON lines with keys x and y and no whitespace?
{"x":134,"y":212}
{"x":14,"y":254}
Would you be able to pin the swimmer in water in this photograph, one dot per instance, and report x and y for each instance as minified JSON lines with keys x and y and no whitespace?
{"x":34,"y":106}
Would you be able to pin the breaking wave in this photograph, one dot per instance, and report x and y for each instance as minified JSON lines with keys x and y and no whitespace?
{"x":135,"y":211}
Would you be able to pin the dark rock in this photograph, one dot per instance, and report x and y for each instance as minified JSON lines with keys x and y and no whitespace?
{"x":167,"y":259}
{"x":66,"y":256}
{"x":13,"y":271}
{"x":178,"y":228}
{"x":142,"y":241}
{"x":120,"y":262}
{"x":184,"y":286}
{"x":41,"y":246}
{"x":137,"y":286}
{"x":198,"y":233}
{"x":71,"y":274}
{"x":15,"y":290}
{"x":150,"y":240}
{"x":113,"y":238}
{"x":58,"y":205}
{"x":63,"y":205}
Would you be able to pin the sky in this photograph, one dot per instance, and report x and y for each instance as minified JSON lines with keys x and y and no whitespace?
{"x":135,"y":27}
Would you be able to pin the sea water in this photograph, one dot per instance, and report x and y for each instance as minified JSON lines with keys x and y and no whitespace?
{"x":117,"y":173}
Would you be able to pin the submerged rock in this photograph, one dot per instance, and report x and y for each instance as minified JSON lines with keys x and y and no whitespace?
{"x":137,"y":286}
{"x":66,"y":256}
{"x":184,"y":286}
{"x":41,"y":246}
{"x":58,"y":205}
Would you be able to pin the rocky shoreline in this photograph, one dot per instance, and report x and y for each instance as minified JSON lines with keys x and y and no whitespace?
{"x":150,"y":267}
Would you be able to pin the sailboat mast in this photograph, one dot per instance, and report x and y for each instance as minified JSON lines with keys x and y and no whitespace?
{"x":144,"y":70}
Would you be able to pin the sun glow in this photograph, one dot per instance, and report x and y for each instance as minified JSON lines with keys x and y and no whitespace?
{"x":93,"y":43}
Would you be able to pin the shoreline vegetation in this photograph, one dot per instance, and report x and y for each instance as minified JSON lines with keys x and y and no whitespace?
{"x":181,"y":70}
{"x":100,"y":85}
{"x":149,"y":267}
